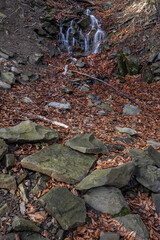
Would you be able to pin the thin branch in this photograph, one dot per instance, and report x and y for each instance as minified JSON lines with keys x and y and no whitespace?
{"x":108,"y":84}
{"x":45,"y":119}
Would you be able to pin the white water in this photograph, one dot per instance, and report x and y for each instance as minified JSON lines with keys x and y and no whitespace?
{"x":90,"y":42}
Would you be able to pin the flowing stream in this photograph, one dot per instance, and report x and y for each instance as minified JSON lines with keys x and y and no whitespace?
{"x":73,"y":36}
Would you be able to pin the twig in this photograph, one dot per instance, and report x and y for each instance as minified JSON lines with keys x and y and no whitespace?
{"x":45,"y":119}
{"x":99,"y":80}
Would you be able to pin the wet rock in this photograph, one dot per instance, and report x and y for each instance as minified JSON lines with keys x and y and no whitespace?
{"x":129,"y":131}
{"x":133,"y":222}
{"x":60,"y":162}
{"x":27,"y":131}
{"x":86,"y":143}
{"x":9,"y":161}
{"x":62,"y":106}
{"x":106,"y":199}
{"x":130,"y":110}
{"x":153,"y":154}
{"x":114,"y":147}
{"x":4,"y":85}
{"x":109,"y":236}
{"x":85,"y":22}
{"x":116,"y":177}
{"x":4,"y":210}
{"x":68,"y":209}
{"x":3,"y":148}
{"x":7,"y":182}
{"x":156,"y":201}
{"x":20,"y":224}
{"x":8,"y":77}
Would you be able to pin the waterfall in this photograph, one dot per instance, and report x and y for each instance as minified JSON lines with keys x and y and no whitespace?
{"x":90,"y":42}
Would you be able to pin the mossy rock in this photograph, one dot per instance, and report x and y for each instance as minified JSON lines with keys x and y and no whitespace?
{"x":125,"y":211}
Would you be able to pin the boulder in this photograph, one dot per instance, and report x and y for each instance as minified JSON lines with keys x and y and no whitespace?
{"x":20,"y":224}
{"x":7,"y":182}
{"x":60,"y":162}
{"x":129,"y":131}
{"x":68,"y":209}
{"x":3,"y":148}
{"x":130,"y":110}
{"x":106,"y":199}
{"x":133,"y":222}
{"x":28,"y":131}
{"x":116,"y":177}
{"x":86,"y":143}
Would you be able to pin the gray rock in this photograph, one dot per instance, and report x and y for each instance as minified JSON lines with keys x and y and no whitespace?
{"x":140,"y":158}
{"x":62,"y":106}
{"x":23,"y":192}
{"x":8,"y":77}
{"x":105,"y":106}
{"x":86,"y":143}
{"x":60,"y":162}
{"x":41,"y":184}
{"x":36,"y":58}
{"x":15,"y":70}
{"x":4,"y":55}
{"x":3,"y":148}
{"x":85,"y":22}
{"x":107,"y":5}
{"x":9,"y":236}
{"x":84,"y":88}
{"x":102,"y":113}
{"x":27,"y":131}
{"x":153,"y":154}
{"x":130,"y":110}
{"x":7,"y":182}
{"x":147,"y":75}
{"x":106,"y":199}
{"x":9,"y":161}
{"x":20,"y":224}
{"x":4,"y":85}
{"x":133,"y":222}
{"x":116,"y":177}
{"x":68,"y":209}
{"x":152,"y":57}
{"x":27,"y":100}
{"x":153,"y":143}
{"x":80,"y":64}
{"x":4,"y":210}
{"x":129,"y":131}
{"x":133,"y":64}
{"x":109,"y":236}
{"x":32,"y":236}
{"x":156,"y":201}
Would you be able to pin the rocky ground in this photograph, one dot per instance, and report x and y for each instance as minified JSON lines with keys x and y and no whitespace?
{"x":79,"y":133}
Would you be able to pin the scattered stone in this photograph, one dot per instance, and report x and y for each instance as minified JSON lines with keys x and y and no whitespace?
{"x":114,"y":148}
{"x":153,"y":143}
{"x":9,"y":236}
{"x":130,"y":110}
{"x":27,"y":100}
{"x":31,"y":236}
{"x":102,"y":113}
{"x":9,"y":161}
{"x":3,"y":148}
{"x":80,"y":64}
{"x":152,"y":57}
{"x":113,"y":55}
{"x":60,"y":234}
{"x":109,"y":236}
{"x":129,"y":131}
{"x":116,"y":177}
{"x":4,"y":210}
{"x":127,"y":140}
{"x":20,"y":224}
{"x":8,"y":77}
{"x":86,"y":143}
{"x":41,"y":184}
{"x":4,"y":85}
{"x":105,"y":106}
{"x":21,"y":177}
{"x":23,"y":192}
{"x":66,"y":90}
{"x":7,"y":182}
{"x":156,"y":200}
{"x":28,"y":131}
{"x":133,"y":222}
{"x":106,"y":199}
{"x":84,"y":88}
{"x":22,"y":208}
{"x":15,"y":70}
{"x":36,"y":58}
{"x":60,"y":163}
{"x":107,"y":5}
{"x":153,"y":154}
{"x":62,"y":106}
{"x":68,"y":209}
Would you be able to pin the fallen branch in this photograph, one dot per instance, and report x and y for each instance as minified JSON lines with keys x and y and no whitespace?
{"x":99,"y":80}
{"x":45,"y":119}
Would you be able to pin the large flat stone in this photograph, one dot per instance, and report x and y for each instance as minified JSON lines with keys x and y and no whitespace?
{"x":68,"y":209}
{"x":106,"y":199}
{"x":133,"y":222}
{"x":3,"y":148}
{"x":116,"y":177}
{"x":28,"y":131}
{"x":7,"y":182}
{"x":60,"y":162}
{"x":86,"y":143}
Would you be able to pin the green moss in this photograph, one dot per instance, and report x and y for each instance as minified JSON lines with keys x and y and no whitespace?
{"x":123,"y":212}
{"x":122,"y":64}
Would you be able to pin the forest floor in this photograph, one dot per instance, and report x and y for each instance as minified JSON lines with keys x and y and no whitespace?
{"x":83,"y":117}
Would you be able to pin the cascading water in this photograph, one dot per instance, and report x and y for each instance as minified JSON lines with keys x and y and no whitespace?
{"x":90,"y":42}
